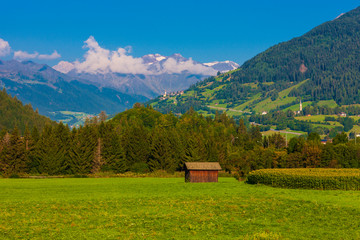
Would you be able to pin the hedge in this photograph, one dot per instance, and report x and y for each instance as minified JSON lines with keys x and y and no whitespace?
{"x":308,"y":178}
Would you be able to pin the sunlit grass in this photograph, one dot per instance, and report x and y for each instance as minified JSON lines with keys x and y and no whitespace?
{"x":168,"y":208}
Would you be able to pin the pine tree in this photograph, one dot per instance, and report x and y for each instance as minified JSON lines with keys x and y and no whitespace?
{"x":98,"y":161}
{"x":102,"y":116}
{"x":112,"y":151}
{"x":14,"y":161}
{"x":135,"y":141}
{"x":194,"y":149}
{"x":82,"y":150}
{"x":49,"y":155}
{"x":164,"y":150}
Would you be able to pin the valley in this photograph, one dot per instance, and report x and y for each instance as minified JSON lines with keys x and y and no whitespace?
{"x":101,"y":140}
{"x":301,"y":69}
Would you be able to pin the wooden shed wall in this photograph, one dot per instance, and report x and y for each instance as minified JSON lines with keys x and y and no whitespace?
{"x":201,"y":176}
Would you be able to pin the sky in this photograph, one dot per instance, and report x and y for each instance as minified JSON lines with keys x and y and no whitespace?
{"x":206,"y":31}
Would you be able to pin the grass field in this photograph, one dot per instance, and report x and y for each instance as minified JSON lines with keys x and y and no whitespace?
{"x":287,"y":135}
{"x":328,"y":103}
{"x":168,"y":208}
{"x":315,"y":118}
{"x":73,"y":118}
{"x":268,"y":104}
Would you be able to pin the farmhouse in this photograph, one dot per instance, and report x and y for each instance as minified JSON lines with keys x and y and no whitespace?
{"x":201,"y":171}
{"x":342,"y":114}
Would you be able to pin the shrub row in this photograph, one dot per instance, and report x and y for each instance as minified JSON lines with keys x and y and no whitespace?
{"x":308,"y":178}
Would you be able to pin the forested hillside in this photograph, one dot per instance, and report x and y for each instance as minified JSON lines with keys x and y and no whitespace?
{"x":144,"y":140}
{"x":323,"y":64}
{"x":328,"y":55}
{"x":14,"y":113}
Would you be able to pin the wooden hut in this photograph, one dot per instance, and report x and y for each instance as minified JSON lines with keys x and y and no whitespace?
{"x":201,"y":171}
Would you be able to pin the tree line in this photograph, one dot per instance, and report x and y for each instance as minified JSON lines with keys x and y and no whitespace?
{"x":143,"y":140}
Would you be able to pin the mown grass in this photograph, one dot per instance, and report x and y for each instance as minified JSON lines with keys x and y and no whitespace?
{"x":315,"y":118}
{"x":288,"y":135}
{"x":268,"y":104}
{"x":250,"y":101}
{"x":328,"y":103}
{"x":296,"y":107}
{"x":168,"y":208}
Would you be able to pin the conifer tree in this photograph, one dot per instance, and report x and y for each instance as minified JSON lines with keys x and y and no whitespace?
{"x":165,"y":153}
{"x":112,"y":151}
{"x":135,"y":141}
{"x":98,"y":161}
{"x":82,"y":150}
{"x":49,"y":156}
{"x":14,"y":160}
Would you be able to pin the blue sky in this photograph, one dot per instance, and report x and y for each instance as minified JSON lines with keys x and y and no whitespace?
{"x":204,"y":30}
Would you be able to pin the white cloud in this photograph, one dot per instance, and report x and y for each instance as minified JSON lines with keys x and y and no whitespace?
{"x":52,"y":56}
{"x":4,"y":48}
{"x":101,"y":60}
{"x":172,"y":66}
{"x":22,"y":55}
{"x":123,"y":63}
{"x":96,"y":58}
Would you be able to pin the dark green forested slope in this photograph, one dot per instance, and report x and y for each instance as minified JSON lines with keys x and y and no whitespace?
{"x":328,"y":55}
{"x":14,"y":113}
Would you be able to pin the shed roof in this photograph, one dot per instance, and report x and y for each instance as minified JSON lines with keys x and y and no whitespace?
{"x":202,"y":166}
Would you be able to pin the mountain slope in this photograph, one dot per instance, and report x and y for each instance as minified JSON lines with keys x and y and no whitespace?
{"x":50,"y":91}
{"x":14,"y":113}
{"x":328,"y":55}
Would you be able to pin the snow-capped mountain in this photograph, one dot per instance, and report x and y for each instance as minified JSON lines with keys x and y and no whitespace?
{"x":155,"y":64}
{"x":224,"y":66}
{"x":64,"y":67}
{"x":149,"y":76}
{"x":50,"y":91}
{"x":152,"y":58}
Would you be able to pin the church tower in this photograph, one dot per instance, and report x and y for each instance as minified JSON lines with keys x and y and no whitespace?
{"x":300,"y":106}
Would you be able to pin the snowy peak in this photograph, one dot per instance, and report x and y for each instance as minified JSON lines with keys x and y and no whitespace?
{"x":152,"y":64}
{"x":224,"y":66}
{"x":178,"y":57}
{"x":64,"y":67}
{"x":152,"y":58}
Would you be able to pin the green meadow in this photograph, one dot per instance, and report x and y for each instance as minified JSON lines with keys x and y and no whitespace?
{"x":168,"y":208}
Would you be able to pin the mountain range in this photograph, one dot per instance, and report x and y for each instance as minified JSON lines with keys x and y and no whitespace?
{"x":321,"y":67}
{"x":163,"y":74}
{"x":64,"y":88}
{"x":49,"y":90}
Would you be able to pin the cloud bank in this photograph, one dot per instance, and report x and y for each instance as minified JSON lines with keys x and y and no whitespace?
{"x":23,"y":55}
{"x":101,"y":60}
{"x":52,"y":56}
{"x":4,"y":48}
{"x":173,"y":66}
